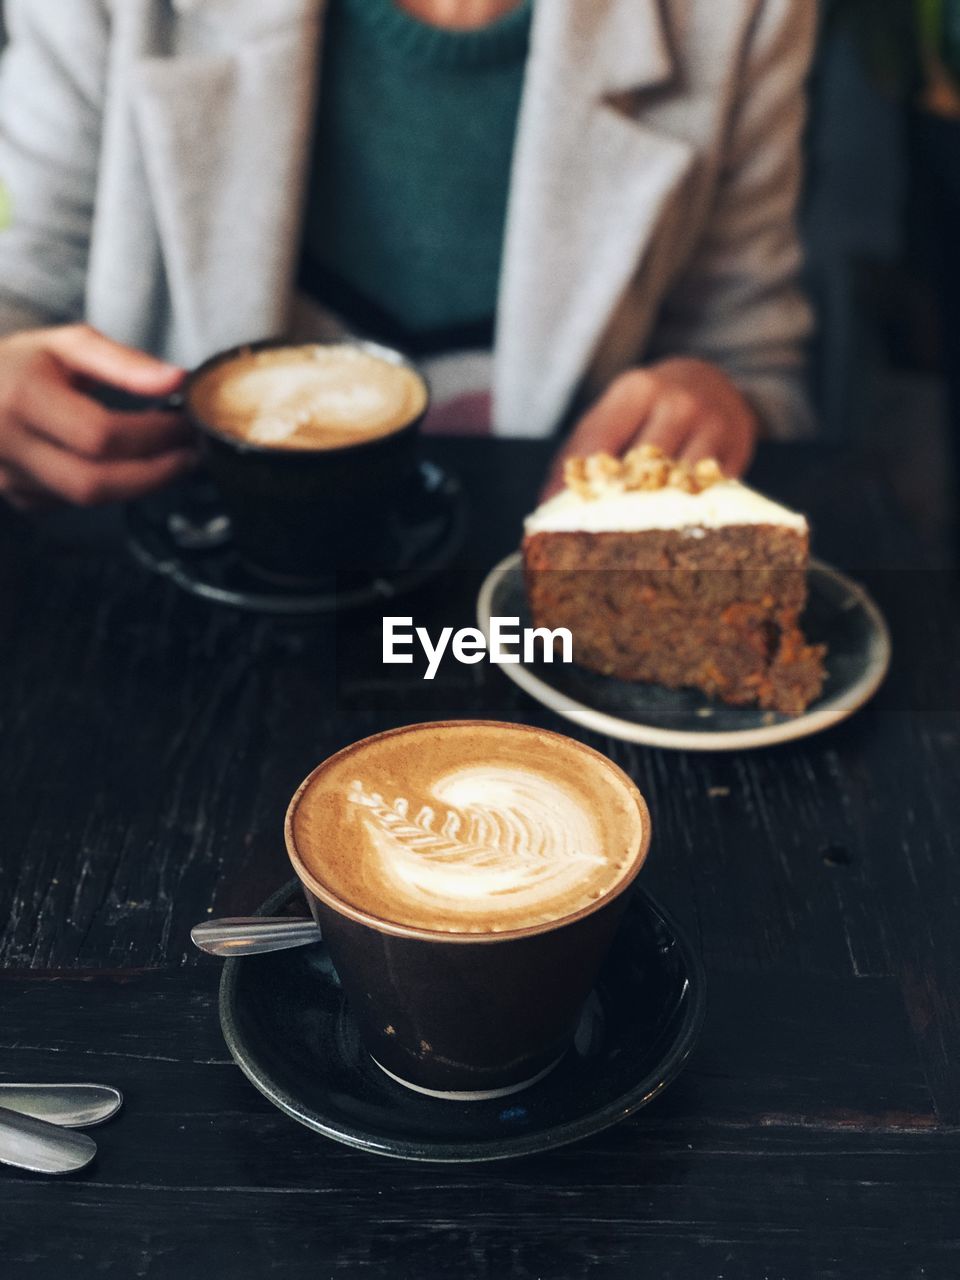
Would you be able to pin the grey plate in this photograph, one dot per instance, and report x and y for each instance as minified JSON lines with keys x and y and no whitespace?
{"x":840,"y":614}
{"x":287,"y":1025}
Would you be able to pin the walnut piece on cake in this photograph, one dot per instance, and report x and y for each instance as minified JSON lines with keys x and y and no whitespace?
{"x":644,"y":468}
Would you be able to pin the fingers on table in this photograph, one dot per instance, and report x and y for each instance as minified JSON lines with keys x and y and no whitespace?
{"x":731,"y":444}
{"x":611,"y":425}
{"x":673,"y":423}
{"x":687,"y":427}
{"x":613,"y":422}
{"x":641,"y":408}
{"x":644,"y":407}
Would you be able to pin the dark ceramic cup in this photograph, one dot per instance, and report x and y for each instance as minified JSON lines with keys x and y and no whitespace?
{"x":300,"y":515}
{"x":466,"y":1016}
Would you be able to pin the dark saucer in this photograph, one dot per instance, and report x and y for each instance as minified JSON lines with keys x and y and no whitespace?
{"x":183,"y":534}
{"x":284,"y":1021}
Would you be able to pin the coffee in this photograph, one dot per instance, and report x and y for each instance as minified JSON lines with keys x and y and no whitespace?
{"x":468,"y":827}
{"x":314,"y":450}
{"x":308,"y":397}
{"x":468,"y":878}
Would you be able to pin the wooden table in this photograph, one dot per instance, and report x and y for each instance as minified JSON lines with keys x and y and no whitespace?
{"x":148,"y":745}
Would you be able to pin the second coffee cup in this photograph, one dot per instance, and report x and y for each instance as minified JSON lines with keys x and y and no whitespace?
{"x":468,"y":878}
{"x":311,"y":447}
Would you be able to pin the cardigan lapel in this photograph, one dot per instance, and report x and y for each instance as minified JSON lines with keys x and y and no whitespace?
{"x":225,"y":137}
{"x":589,"y":187}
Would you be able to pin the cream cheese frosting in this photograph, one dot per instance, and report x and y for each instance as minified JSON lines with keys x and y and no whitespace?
{"x":616,"y":510}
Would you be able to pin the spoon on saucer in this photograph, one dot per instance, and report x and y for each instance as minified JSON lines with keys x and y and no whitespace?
{"x":253,"y":935}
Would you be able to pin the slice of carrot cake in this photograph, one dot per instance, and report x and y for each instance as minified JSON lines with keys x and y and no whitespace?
{"x":676,"y":575}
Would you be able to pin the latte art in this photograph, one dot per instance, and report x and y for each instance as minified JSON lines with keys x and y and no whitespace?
{"x":468,"y":828}
{"x":308,"y":397}
{"x":490,"y":832}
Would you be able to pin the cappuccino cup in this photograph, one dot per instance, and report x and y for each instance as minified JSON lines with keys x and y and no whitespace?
{"x":468,"y":878}
{"x":311,"y":446}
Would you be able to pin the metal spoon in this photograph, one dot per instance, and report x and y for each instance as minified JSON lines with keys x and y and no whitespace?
{"x":253,"y":935}
{"x":41,"y":1147}
{"x":73,"y":1106}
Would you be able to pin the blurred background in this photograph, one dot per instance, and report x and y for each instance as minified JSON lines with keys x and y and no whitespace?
{"x":881,"y":224}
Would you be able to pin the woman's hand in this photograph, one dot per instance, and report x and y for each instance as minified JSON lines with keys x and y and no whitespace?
{"x":689,"y":408}
{"x":58,"y":443}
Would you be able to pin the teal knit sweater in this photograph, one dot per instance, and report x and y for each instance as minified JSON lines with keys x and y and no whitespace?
{"x":411,"y":166}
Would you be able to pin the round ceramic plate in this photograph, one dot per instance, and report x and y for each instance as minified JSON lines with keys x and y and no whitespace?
{"x":839,"y":614}
{"x":183,"y":533}
{"x":285,"y":1022}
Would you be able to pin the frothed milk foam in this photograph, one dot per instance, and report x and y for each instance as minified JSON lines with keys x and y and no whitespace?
{"x":468,"y":827}
{"x":308,"y":397}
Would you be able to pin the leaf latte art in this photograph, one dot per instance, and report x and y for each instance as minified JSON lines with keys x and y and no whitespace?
{"x":468,"y":827}
{"x":493,"y":832}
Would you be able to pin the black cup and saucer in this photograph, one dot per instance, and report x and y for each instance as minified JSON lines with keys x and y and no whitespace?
{"x":185,"y":534}
{"x":415,"y":1009}
{"x":275,"y":529}
{"x":290,"y":1030}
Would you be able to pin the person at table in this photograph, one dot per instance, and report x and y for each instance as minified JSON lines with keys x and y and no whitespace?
{"x":576,"y":213}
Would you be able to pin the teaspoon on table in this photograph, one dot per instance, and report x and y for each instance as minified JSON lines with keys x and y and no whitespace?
{"x":41,"y":1147}
{"x":253,"y":935}
{"x":73,"y":1106}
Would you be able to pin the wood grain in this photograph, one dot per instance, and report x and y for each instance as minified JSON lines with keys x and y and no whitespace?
{"x":751,"y":1161}
{"x":148,"y":745}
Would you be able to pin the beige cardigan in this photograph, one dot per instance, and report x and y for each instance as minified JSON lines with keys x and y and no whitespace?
{"x":154,"y":153}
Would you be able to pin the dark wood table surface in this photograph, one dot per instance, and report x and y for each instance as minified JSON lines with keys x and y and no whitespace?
{"x":148,"y":745}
